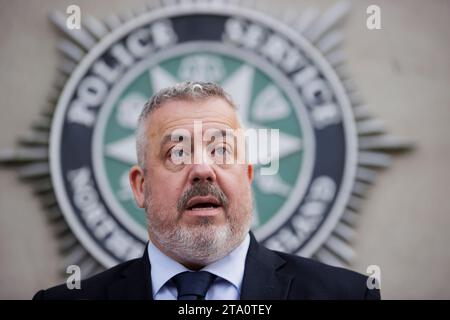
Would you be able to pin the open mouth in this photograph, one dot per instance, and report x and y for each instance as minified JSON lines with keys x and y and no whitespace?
{"x":203,"y":203}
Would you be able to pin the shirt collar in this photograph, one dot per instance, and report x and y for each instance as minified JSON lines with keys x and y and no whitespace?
{"x":163,"y":268}
{"x":231,"y":267}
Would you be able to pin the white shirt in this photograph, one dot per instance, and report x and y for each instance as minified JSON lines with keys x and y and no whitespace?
{"x":229,"y":271}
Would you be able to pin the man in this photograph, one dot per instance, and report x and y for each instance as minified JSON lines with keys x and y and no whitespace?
{"x":198,"y":201}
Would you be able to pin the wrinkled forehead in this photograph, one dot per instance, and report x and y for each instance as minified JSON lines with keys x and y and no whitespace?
{"x":175,"y":115}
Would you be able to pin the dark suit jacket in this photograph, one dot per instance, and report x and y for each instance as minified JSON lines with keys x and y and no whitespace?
{"x":268,"y":275}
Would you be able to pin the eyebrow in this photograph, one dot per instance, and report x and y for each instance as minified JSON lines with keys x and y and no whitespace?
{"x":168,"y":137}
{"x":225,"y":133}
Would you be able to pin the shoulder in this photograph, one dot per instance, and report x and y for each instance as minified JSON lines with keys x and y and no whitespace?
{"x":315,"y":280}
{"x":95,"y":287}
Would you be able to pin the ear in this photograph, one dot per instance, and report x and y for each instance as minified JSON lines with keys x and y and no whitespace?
{"x":250,"y":172}
{"x":137,"y":179}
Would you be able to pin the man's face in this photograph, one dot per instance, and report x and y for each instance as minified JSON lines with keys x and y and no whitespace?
{"x":199,"y":206}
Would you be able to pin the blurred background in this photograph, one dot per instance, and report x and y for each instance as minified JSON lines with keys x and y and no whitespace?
{"x":403,"y":74}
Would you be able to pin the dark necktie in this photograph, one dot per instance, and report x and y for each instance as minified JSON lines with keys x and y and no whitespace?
{"x":193,"y":285}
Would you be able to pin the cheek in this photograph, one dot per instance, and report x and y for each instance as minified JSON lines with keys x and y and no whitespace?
{"x":237,"y":187}
{"x":165,"y":188}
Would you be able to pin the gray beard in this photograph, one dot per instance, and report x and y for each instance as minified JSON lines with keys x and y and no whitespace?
{"x":200,"y":244}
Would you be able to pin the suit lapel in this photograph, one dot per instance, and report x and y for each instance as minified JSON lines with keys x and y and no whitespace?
{"x":135,"y":281}
{"x":262,"y":278}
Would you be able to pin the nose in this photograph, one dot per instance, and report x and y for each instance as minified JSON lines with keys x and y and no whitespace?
{"x":202,"y":173}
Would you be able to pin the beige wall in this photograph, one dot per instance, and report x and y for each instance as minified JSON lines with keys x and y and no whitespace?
{"x":403,"y":73}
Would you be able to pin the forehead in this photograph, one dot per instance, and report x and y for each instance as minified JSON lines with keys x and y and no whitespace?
{"x":213,"y":112}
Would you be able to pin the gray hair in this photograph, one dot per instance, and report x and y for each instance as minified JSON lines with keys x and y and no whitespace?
{"x":190,"y":91}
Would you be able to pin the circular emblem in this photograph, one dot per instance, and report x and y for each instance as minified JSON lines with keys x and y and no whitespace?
{"x":277,"y":79}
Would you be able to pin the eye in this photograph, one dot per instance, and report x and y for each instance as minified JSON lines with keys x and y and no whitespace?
{"x":221,"y":151}
{"x":177,"y":155}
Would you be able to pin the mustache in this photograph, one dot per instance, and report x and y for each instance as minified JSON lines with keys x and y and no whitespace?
{"x":202,"y":190}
